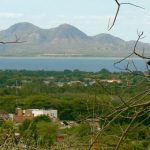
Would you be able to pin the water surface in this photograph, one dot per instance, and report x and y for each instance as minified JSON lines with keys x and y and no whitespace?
{"x":62,"y":63}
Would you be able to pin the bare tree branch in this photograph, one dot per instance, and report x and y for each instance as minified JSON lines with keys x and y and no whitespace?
{"x":117,"y":12}
{"x":125,"y":133}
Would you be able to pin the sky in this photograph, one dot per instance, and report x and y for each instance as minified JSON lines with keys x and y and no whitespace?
{"x":90,"y":16}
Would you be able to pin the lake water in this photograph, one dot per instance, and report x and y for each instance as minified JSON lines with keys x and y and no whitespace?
{"x":62,"y":63}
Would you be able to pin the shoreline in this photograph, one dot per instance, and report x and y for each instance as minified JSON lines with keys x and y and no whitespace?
{"x":64,"y":57}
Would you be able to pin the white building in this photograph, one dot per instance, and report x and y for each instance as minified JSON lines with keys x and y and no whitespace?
{"x":50,"y":112}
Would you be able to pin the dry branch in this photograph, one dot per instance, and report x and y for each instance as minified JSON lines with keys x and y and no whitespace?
{"x":117,"y":12}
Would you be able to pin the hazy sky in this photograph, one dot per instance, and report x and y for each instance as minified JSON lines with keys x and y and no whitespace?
{"x":90,"y":16}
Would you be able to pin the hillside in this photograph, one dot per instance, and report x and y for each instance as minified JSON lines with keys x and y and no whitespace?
{"x":62,"y":40}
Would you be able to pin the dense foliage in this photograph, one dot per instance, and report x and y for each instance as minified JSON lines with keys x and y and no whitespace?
{"x":76,"y":95}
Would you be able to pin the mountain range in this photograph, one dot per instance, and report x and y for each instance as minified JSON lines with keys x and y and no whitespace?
{"x":64,"y":40}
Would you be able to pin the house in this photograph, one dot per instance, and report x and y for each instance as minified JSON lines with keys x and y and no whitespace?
{"x":22,"y":115}
{"x":60,"y":138}
{"x":74,"y":82}
{"x":53,"y":114}
{"x":111,"y":81}
{"x":67,"y":124}
{"x":5,"y":116}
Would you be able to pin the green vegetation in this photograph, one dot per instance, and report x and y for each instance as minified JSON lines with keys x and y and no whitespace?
{"x":76,"y":95}
{"x":41,"y":131}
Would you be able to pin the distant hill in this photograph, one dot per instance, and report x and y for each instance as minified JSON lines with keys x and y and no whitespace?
{"x":63,"y":40}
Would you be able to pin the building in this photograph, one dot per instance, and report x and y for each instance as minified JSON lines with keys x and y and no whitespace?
{"x":22,"y":115}
{"x":111,"y":81}
{"x":60,"y":137}
{"x":53,"y":114}
{"x":6,"y":117}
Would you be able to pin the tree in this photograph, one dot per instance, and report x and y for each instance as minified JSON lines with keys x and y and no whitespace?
{"x":139,"y":104}
{"x":40,"y":132}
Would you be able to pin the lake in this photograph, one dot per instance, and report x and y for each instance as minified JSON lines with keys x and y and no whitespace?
{"x":61,"y":63}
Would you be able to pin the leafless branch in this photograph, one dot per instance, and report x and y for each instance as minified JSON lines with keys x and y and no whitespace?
{"x":125,"y":133}
{"x":117,"y":12}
